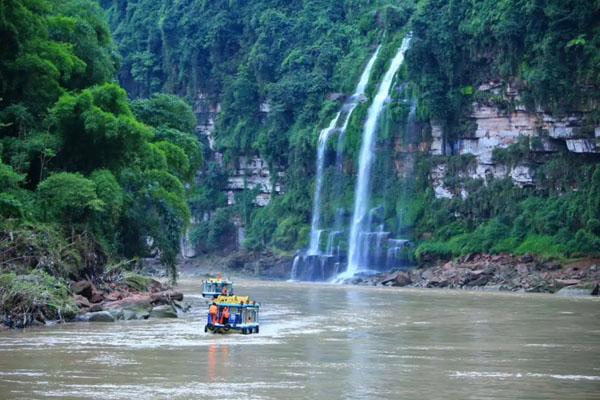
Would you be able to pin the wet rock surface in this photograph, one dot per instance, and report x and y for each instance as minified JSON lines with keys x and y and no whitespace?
{"x":126,"y":298}
{"x":165,"y":311}
{"x":498,"y":273}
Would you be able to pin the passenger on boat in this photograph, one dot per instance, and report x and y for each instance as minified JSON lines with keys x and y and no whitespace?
{"x":224,"y":291}
{"x":212,"y":310}
{"x":225,"y":316}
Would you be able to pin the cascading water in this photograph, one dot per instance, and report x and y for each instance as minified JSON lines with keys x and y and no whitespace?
{"x":367,"y":151}
{"x":315,"y":232}
{"x":349,"y":106}
{"x":347,"y":110}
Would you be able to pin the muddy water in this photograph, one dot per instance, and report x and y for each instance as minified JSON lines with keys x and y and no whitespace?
{"x":324,"y":342}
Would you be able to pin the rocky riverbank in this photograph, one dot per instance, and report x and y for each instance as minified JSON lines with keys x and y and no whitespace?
{"x":503,"y":272}
{"x":38,"y":299}
{"x":498,"y":273}
{"x":134,"y":297}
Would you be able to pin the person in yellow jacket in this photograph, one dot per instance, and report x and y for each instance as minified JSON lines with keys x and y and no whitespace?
{"x":212,"y":311}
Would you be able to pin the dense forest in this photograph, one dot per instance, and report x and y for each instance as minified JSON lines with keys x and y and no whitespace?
{"x":101,"y":161}
{"x":89,"y":177}
{"x":291,"y":56}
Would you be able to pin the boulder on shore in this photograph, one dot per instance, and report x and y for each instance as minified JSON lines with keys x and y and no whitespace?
{"x":579,"y":290}
{"x":81,"y":301}
{"x":398,"y":279}
{"x":165,"y":311}
{"x":100,"y":316}
{"x":82,"y":288}
{"x":166,"y":297}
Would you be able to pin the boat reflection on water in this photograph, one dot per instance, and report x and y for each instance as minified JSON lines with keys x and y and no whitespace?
{"x":218,"y":356}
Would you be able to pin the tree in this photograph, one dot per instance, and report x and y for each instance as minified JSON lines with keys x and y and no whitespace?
{"x":69,"y":198}
{"x":97,"y":129}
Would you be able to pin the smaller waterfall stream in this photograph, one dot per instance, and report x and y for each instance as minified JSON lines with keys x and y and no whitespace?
{"x":315,"y":232}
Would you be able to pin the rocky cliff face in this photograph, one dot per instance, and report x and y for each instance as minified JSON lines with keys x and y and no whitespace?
{"x":206,"y":109}
{"x":251,"y":173}
{"x":498,"y":128}
{"x":246,"y":172}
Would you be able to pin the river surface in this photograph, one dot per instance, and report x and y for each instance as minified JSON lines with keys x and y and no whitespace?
{"x":323,"y":342}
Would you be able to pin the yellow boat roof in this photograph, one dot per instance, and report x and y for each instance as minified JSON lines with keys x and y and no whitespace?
{"x":232,"y":299}
{"x":217,"y":280}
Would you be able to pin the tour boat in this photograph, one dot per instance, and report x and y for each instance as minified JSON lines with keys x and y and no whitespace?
{"x":215,"y":287}
{"x":243,"y":315}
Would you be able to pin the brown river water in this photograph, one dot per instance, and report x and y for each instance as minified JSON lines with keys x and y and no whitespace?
{"x":323,"y":342}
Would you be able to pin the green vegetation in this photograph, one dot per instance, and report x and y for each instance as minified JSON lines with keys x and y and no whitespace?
{"x":288,"y":57}
{"x":36,"y":296}
{"x":550,"y":220}
{"x":245,"y":55}
{"x":95,"y":172}
{"x":87,"y":176}
{"x":547,"y":48}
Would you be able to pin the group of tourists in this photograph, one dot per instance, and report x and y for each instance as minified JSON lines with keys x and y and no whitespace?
{"x":213,"y":310}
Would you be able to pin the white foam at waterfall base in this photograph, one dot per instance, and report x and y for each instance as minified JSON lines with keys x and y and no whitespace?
{"x":367,"y":152}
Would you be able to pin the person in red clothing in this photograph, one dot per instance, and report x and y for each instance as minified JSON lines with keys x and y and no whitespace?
{"x":225,"y":316}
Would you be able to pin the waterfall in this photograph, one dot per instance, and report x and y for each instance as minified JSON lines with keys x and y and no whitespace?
{"x":295,"y":268}
{"x":359,"y":92}
{"x":367,"y":150}
{"x":349,"y":106}
{"x":315,"y":233}
{"x":312,"y":264}
{"x":347,"y":109}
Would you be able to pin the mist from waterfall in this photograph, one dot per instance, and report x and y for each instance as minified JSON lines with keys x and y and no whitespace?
{"x":366,"y":157}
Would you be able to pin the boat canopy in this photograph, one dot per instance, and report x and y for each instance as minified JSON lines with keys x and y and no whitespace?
{"x":234,"y":300}
{"x":217,"y":280}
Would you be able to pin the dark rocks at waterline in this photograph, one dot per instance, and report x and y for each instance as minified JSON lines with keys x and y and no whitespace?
{"x":101,"y":316}
{"x":579,"y":290}
{"x":165,"y":311}
{"x":131,"y":306}
{"x":401,"y":278}
{"x":264,"y":265}
{"x":498,"y":272}
{"x":103,"y":301}
{"x":135,"y":309}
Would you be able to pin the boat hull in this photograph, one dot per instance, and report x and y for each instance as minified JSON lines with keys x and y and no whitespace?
{"x":228,"y":329}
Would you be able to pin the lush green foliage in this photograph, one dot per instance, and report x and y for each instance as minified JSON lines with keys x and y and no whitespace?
{"x":549,"y":48}
{"x":82,"y":159}
{"x":249,"y":56}
{"x":551,"y":219}
{"x":78,"y":160}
